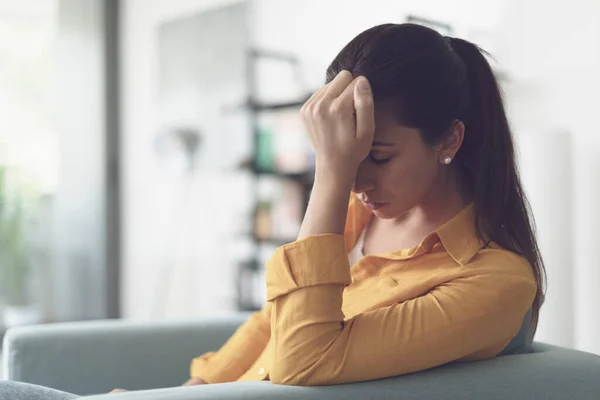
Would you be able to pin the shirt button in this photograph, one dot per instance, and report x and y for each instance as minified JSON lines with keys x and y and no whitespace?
{"x":261,"y":371}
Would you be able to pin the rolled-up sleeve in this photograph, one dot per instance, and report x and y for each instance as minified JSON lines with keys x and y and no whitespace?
{"x":314,"y":345}
{"x":315,"y":260}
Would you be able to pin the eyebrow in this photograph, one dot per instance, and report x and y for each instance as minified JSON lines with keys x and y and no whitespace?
{"x":382,"y":144}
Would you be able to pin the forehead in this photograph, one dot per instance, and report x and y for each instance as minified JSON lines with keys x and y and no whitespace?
{"x":388,"y":130}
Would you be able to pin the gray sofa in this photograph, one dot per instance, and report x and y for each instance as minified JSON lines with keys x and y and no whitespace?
{"x":94,"y":357}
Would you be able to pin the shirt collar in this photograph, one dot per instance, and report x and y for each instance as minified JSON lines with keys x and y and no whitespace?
{"x":458,"y":235}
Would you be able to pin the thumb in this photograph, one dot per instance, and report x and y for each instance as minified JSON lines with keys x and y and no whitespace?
{"x":365,"y":110}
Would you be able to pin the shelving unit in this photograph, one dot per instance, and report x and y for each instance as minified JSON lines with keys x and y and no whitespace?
{"x":250,"y":275}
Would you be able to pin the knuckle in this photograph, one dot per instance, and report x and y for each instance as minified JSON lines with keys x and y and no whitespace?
{"x":319,"y":110}
{"x":335,"y":109}
{"x":305,"y":110}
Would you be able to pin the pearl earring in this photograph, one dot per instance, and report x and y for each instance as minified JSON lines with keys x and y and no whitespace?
{"x":447,"y":160}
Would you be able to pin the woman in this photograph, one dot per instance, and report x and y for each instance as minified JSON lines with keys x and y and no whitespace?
{"x":444,"y":265}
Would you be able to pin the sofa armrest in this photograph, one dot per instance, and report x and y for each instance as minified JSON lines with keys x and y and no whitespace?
{"x":97,"y":356}
{"x":550,"y":373}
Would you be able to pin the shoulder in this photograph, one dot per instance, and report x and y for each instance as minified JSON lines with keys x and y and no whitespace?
{"x":503,"y":271}
{"x":494,"y":258}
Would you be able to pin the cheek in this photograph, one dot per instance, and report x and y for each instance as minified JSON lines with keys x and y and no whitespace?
{"x":412,"y":173}
{"x":405,"y":183}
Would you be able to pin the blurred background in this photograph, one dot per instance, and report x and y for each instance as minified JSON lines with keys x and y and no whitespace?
{"x":152,"y":158}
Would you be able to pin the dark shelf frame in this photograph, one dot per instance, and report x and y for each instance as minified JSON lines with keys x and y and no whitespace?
{"x":304,"y":178}
{"x":258,"y":106}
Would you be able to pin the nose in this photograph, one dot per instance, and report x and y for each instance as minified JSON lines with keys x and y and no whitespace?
{"x":364,"y":181}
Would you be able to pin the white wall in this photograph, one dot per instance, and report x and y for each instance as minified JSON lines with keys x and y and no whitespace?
{"x":553,"y":51}
{"x":149,"y":195}
{"x":317,"y":30}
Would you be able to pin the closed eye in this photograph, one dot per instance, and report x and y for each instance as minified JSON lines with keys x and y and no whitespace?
{"x":379,"y":160}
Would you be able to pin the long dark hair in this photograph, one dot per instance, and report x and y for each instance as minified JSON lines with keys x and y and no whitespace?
{"x":429,"y":81}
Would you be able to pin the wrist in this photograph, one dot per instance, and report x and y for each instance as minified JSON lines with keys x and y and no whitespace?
{"x":333,"y":183}
{"x":328,"y":205}
{"x":332,"y":190}
{"x":330,"y":173}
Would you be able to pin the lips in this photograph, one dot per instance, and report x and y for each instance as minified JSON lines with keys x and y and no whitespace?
{"x":372,"y":205}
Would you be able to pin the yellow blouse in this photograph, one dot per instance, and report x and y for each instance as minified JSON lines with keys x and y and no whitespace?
{"x":449,"y":298}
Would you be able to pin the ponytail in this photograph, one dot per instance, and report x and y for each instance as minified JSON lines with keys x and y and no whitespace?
{"x":503,"y":214}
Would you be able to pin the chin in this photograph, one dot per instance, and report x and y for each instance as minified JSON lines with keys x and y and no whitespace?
{"x":390,"y":212}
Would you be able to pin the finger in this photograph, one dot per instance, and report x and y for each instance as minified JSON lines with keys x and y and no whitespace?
{"x":306,"y":110}
{"x":338,"y":84}
{"x":307,"y":107}
{"x":365,"y":110}
{"x":346,"y":98}
{"x":322,"y":91}
{"x":312,"y":98}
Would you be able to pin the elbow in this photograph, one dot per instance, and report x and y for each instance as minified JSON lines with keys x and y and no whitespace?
{"x":287,"y":381}
{"x":286,"y":373}
{"x":283,"y":375}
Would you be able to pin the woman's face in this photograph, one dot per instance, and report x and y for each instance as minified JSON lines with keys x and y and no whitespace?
{"x":400,"y":171}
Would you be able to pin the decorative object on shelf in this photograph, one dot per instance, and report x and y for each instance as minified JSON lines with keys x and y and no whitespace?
{"x":264,"y":149}
{"x":288,"y":210}
{"x":264,"y":220}
{"x":291,"y":143}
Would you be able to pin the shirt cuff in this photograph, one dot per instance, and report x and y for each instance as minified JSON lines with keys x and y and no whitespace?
{"x":314,"y":260}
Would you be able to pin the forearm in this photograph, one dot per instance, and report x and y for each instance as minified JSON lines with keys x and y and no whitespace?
{"x":328,"y":205}
{"x":234,"y":358}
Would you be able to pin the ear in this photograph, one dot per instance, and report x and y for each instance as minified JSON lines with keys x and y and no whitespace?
{"x":450,"y":144}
